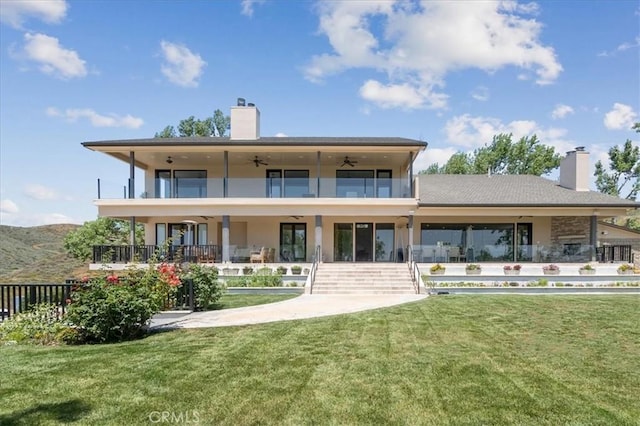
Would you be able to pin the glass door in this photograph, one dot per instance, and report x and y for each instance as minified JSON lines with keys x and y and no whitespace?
{"x":364,"y":242}
{"x":293,"y":242}
{"x":523,"y":242}
{"x":343,"y":242}
{"x":384,"y":242}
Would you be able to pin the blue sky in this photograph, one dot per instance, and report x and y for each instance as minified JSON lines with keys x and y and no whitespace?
{"x":453,"y":73}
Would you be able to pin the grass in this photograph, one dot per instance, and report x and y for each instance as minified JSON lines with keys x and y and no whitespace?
{"x":229,"y":301}
{"x":447,"y":360}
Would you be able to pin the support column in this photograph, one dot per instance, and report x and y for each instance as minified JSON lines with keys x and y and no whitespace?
{"x":318,"y":235}
{"x":410,"y":237}
{"x":318,"y":176}
{"x":132,"y":194}
{"x":225,"y":180}
{"x":226,"y":256}
{"x":593,"y":236}
{"x":411,"y":194}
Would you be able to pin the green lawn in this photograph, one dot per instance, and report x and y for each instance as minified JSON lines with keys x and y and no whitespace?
{"x":228,"y":301}
{"x":447,"y":360}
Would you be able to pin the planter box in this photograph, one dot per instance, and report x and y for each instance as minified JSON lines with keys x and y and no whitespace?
{"x":473,"y":271}
{"x":438,"y":272}
{"x":511,"y":272}
{"x":551,"y":272}
{"x":629,"y":272}
{"x":587,"y":271}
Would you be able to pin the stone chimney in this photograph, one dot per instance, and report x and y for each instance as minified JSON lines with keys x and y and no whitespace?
{"x":574,"y":170}
{"x":245,"y":121}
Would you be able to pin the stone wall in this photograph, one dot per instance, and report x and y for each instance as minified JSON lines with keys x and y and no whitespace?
{"x":576,"y":227}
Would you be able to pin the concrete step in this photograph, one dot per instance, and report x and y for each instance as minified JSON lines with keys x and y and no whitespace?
{"x":363,"y":278}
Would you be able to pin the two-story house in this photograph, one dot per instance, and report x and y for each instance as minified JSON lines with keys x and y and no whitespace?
{"x":346,"y":199}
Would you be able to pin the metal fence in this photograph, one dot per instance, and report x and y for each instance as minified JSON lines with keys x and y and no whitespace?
{"x":145,"y":253}
{"x":15,"y":298}
{"x":615,"y":253}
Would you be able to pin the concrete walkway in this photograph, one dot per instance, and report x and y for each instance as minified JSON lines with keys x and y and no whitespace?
{"x":305,"y":306}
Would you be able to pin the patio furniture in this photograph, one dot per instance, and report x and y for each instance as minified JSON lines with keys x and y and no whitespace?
{"x":272,"y":255}
{"x":454,"y":254}
{"x":259,"y":256}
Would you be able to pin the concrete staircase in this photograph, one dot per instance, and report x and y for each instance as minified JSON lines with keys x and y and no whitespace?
{"x":363,"y":278}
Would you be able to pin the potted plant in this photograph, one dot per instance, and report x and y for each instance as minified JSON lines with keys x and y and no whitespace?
{"x":296,"y":269}
{"x":473,"y":269}
{"x":551,"y":269}
{"x":512,"y":270}
{"x":282,"y":270}
{"x":437,"y":269}
{"x":625,"y":269}
{"x":587,"y":270}
{"x":247,"y":270}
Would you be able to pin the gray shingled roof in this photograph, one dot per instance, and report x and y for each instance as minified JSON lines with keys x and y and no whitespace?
{"x":272,"y":141}
{"x":508,"y":191}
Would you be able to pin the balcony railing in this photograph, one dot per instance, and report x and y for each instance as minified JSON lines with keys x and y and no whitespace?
{"x":147,"y":253}
{"x":265,"y":188}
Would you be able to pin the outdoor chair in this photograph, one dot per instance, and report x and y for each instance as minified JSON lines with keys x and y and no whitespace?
{"x":455,"y":254}
{"x":272,"y":255}
{"x":260,"y":256}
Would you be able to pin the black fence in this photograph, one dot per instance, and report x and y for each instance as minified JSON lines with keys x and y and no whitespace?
{"x":615,"y":253}
{"x":15,"y":298}
{"x":145,"y":253}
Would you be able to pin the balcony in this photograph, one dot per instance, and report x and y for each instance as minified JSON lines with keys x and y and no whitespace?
{"x":269,"y":188}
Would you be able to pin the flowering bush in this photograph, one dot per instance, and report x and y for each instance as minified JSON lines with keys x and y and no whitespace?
{"x":512,"y":268}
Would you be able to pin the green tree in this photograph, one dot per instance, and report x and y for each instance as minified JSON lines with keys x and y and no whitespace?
{"x":191,"y":127}
{"x":527,"y":156}
{"x":167,"y":132}
{"x":102,"y":231}
{"x":624,"y":169}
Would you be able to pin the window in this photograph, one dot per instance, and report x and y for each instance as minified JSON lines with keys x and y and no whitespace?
{"x":383,"y":183}
{"x":478,"y":242}
{"x":274,"y":183}
{"x":161,"y":233}
{"x":163,"y":184}
{"x":296,"y":183}
{"x":293,"y":242}
{"x":190,"y":183}
{"x":354,"y":183}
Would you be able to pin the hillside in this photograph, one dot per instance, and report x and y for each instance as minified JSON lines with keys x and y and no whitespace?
{"x":36,"y":255}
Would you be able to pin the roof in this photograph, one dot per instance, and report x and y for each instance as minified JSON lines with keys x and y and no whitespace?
{"x":268,"y":141}
{"x":440,"y":190}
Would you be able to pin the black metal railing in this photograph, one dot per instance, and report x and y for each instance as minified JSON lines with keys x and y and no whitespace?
{"x":16,"y":298}
{"x":147,"y":253}
{"x":615,"y":253}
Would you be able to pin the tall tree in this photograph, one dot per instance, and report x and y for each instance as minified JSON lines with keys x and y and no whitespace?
{"x":102,"y":231}
{"x":189,"y":127}
{"x":527,"y":156}
{"x":624,"y":170}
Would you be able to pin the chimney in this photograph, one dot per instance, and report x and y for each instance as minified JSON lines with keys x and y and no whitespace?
{"x":574,"y":170}
{"x":245,"y":121}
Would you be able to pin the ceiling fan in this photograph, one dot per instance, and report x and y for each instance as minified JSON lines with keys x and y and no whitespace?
{"x":258,"y":162}
{"x":348,"y":162}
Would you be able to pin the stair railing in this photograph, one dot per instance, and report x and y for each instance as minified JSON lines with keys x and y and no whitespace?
{"x":414,"y":270}
{"x":314,"y":267}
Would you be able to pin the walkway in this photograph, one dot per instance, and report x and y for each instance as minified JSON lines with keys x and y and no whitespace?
{"x":305,"y":306}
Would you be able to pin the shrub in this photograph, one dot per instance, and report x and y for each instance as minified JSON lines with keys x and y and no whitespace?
{"x":473,"y":267}
{"x":437,"y":267}
{"x":103,"y":311}
{"x":587,"y":267}
{"x":296,"y":269}
{"x":206,"y":287}
{"x":282,"y":270}
{"x":41,"y":324}
{"x":625,"y":267}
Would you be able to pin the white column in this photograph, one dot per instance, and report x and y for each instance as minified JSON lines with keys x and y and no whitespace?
{"x":226,"y":256}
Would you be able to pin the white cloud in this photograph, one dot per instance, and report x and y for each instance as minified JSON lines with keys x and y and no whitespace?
{"x":419,"y":44}
{"x":14,"y":12}
{"x":473,"y":132}
{"x":620,"y":117}
{"x":480,"y":93}
{"x":561,"y":111}
{"x":35,"y":219}
{"x":281,"y":135}
{"x":181,"y":67}
{"x":97,"y":120}
{"x":8,"y":206}
{"x":622,"y":47}
{"x":52,"y":57}
{"x":40,"y":192}
{"x":431,"y":156}
{"x":247,"y":6}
